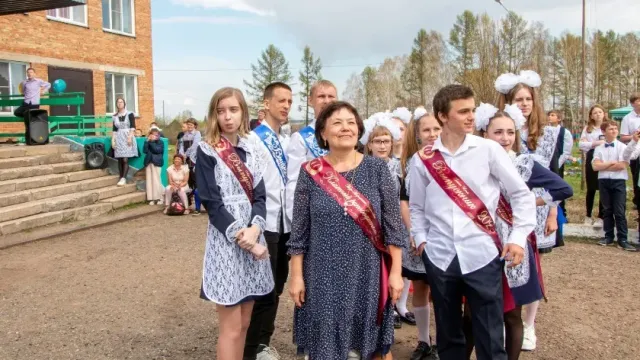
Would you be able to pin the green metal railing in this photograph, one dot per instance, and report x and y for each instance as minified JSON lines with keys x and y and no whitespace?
{"x":78,"y":125}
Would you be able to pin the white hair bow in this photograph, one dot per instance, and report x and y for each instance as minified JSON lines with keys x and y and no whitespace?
{"x":505,"y":82}
{"x":516,"y":115}
{"x":403,"y":114}
{"x":419,"y":112}
{"x":484,"y":113}
{"x":380,"y":119}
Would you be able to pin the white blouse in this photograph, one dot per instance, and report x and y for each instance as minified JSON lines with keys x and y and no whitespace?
{"x":587,"y":139}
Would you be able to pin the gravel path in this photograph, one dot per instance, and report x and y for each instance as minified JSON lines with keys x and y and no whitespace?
{"x":130,"y":291}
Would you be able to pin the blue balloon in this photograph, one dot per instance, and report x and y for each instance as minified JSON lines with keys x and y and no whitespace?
{"x":58,"y":86}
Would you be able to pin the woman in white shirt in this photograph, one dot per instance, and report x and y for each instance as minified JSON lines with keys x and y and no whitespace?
{"x":591,"y":138}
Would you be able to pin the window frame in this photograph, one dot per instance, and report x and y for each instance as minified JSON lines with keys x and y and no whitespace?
{"x":70,"y":21}
{"x":8,"y":62}
{"x":136,"y":110}
{"x":133,"y":19}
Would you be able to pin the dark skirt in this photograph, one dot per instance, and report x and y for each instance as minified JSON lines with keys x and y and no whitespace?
{"x":414,"y":276}
{"x":590,"y":174}
{"x":528,"y":293}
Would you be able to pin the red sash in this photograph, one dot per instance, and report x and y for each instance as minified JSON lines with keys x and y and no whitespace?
{"x":359,"y":208}
{"x":459,"y":192}
{"x":506,"y":213}
{"x":228,"y":154}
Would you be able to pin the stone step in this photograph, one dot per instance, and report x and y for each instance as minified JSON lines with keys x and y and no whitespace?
{"x":15,"y":162}
{"x":62,"y":202}
{"x":39,"y":170}
{"x":15,"y":185}
{"x":128,"y":199}
{"x":22,"y":151}
{"x":66,"y":215}
{"x":40,"y":193}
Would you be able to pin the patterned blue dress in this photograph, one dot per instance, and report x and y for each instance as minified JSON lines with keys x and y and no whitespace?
{"x":341,"y":268}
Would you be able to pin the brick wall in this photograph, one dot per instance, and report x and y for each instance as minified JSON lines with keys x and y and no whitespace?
{"x":34,"y":37}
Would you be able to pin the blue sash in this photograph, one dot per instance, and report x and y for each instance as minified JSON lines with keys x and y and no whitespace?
{"x":309,"y":137}
{"x":270,"y":140}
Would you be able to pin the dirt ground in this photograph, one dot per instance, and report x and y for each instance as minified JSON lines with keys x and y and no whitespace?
{"x":130,"y":291}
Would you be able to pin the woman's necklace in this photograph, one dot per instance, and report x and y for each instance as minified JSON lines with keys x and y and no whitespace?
{"x":351,"y":172}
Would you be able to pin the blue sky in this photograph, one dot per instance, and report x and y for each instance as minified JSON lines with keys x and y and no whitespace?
{"x":229,"y":35}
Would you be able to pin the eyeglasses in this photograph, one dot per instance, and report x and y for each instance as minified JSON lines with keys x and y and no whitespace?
{"x":382,"y":142}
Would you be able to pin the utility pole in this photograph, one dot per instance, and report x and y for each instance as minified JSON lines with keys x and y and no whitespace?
{"x":584,"y":76}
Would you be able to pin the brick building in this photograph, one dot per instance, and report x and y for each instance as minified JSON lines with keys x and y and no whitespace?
{"x":102,"y":48}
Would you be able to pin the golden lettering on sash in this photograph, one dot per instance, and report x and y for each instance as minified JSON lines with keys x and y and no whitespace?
{"x":228,"y":154}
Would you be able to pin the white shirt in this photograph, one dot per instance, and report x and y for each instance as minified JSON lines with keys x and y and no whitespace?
{"x":273,"y":184}
{"x":297,"y":153}
{"x":587,"y":139}
{"x":567,"y":146}
{"x":615,"y":153}
{"x":630,"y":123}
{"x":435,"y":219}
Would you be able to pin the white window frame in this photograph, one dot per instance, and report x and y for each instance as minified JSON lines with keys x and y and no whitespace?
{"x":71,"y":21}
{"x":12,"y":108}
{"x":113,"y":92}
{"x":133,"y":20}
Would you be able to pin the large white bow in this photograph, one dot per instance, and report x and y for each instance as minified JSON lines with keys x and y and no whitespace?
{"x":506,"y":82}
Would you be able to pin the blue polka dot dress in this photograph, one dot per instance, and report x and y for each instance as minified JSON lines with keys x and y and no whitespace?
{"x":341,"y":268}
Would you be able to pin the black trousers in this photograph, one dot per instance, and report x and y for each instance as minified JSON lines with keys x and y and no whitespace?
{"x":635,"y":169}
{"x":20,"y":111}
{"x":265,"y":308}
{"x":613,"y":194}
{"x":483,"y":291}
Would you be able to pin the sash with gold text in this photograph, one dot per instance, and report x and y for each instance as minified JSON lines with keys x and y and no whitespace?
{"x":459,"y":192}
{"x":228,"y":154}
{"x":359,"y":208}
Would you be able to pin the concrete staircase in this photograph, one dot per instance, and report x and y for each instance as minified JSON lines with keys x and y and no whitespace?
{"x":48,"y":184}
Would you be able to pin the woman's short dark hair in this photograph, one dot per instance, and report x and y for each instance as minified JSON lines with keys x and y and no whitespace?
{"x":321,"y":121}
{"x":179,"y":157}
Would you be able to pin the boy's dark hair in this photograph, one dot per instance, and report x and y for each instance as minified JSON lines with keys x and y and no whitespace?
{"x":154,"y":130}
{"x":606,"y":124}
{"x":443,"y":98}
{"x":634,"y":97}
{"x":192,"y":121}
{"x":557,"y":112}
{"x":326,"y":113}
{"x":271,"y":88}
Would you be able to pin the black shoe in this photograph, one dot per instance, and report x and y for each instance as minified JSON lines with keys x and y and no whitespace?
{"x":605,"y":242}
{"x":421,"y":352}
{"x":626,"y":246}
{"x":397,"y":323}
{"x":434,"y":353}
{"x":408,"y":318}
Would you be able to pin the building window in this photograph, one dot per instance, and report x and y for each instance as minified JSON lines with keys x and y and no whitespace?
{"x":118,"y":16}
{"x":74,"y":14}
{"x":121,"y":86}
{"x":11,"y":75}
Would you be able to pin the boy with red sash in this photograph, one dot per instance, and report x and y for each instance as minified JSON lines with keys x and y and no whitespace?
{"x":454,"y":193}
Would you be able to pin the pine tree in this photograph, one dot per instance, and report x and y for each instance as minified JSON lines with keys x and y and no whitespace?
{"x":272,"y":66}
{"x":309,"y":74}
{"x":463,"y":38}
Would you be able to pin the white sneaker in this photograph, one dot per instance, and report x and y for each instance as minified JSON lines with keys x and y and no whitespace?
{"x":122,"y":182}
{"x":597,"y":223}
{"x":353,"y":355}
{"x":268,"y":353}
{"x":588,"y":221}
{"x":529,"y":341}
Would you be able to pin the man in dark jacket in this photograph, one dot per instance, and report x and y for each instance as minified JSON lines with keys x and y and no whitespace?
{"x":257,"y":122}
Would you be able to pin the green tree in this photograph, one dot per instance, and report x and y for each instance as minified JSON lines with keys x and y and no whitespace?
{"x":463,"y":38}
{"x":272,"y":66}
{"x":309,"y":74}
{"x":425,"y":71}
{"x":370,"y":88}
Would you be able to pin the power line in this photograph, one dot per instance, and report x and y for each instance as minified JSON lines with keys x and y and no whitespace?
{"x":249,"y":69}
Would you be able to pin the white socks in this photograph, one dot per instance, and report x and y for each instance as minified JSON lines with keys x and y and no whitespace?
{"x":422,"y":321}
{"x":531,"y":310}
{"x":401,"y":304}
